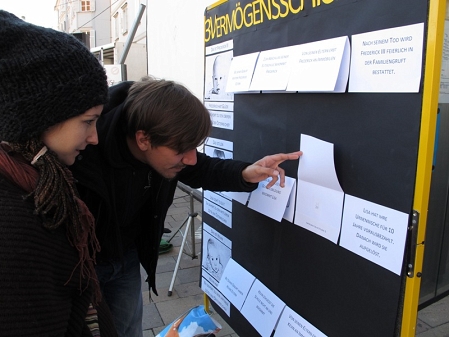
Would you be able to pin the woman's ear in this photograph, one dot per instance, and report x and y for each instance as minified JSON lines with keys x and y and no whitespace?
{"x":142,"y":140}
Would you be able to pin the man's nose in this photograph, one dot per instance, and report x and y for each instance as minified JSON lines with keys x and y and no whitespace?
{"x":189,"y":157}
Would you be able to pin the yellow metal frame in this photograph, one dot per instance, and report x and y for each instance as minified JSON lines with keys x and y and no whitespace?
{"x":433,"y":54}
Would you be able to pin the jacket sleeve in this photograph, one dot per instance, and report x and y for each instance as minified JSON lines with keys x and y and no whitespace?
{"x":216,"y":174}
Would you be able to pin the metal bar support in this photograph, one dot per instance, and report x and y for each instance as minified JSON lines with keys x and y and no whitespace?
{"x":189,"y":222}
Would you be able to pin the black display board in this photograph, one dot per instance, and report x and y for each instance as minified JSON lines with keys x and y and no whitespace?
{"x":375,"y":137}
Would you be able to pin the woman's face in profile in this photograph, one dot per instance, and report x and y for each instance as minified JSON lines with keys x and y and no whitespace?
{"x":70,"y":137}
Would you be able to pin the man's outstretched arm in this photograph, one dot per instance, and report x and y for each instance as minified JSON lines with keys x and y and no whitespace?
{"x":268,"y":166}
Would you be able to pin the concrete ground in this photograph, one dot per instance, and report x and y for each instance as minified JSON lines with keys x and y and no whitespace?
{"x":185,"y":293}
{"x":433,"y":321}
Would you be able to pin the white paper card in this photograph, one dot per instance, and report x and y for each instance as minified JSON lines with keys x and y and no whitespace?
{"x":222,"y":119}
{"x":218,"y":212}
{"x":290,"y":208}
{"x":220,"y":47}
{"x":388,"y":60}
{"x":218,"y":153}
{"x":293,"y":325}
{"x":319,"y":197}
{"x":220,"y":143}
{"x":241,"y":197}
{"x":321,"y":66}
{"x":262,"y":308}
{"x":273,"y":69}
{"x":235,"y":283}
{"x":319,"y":209}
{"x":216,"y":296}
{"x":241,"y":72}
{"x":216,"y":77}
{"x":216,"y":253}
{"x":374,"y":232}
{"x":219,"y":106}
{"x":271,"y":202}
{"x":218,"y":199}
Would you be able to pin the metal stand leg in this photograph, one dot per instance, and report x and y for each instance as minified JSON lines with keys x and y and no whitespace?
{"x":190,"y":221}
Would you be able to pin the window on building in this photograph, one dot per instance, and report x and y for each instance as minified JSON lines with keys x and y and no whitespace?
{"x":125,"y":19}
{"x":116,"y":26}
{"x":84,"y":37}
{"x":86,"y":6}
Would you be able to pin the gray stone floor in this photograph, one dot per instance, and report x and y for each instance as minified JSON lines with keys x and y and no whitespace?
{"x":186,"y":293}
{"x":433,"y":321}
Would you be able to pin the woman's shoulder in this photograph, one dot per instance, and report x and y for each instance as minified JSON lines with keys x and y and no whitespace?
{"x":10,"y":192}
{"x":16,"y":210}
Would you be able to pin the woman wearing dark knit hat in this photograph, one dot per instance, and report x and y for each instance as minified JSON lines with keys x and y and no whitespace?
{"x":52,"y":91}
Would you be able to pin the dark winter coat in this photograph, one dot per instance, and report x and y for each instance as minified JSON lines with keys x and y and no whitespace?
{"x":39,"y":295}
{"x":129,"y":199}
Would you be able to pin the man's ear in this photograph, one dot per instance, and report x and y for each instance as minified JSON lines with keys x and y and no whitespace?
{"x":142,"y":140}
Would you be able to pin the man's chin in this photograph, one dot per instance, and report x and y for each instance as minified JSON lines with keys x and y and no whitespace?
{"x":170,"y":175}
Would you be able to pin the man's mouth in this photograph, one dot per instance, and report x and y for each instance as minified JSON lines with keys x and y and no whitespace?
{"x":179,"y":168}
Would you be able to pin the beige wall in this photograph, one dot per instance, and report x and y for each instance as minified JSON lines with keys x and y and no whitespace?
{"x":175,"y":41}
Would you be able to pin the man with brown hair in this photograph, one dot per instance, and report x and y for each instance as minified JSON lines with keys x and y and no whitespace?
{"x":148,"y":135}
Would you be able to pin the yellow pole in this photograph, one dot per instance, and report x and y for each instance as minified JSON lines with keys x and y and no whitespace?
{"x":433,"y":54}
{"x":206,"y":303}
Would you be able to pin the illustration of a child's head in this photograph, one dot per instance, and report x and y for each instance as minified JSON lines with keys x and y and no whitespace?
{"x":220,"y":74}
{"x":213,"y":256}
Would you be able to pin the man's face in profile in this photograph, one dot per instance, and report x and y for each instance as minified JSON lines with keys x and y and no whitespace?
{"x":168,"y":162}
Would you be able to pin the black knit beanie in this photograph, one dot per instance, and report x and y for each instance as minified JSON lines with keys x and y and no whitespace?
{"x":46,"y":77}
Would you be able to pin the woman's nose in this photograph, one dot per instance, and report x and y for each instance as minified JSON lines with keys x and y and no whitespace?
{"x":93,"y":137}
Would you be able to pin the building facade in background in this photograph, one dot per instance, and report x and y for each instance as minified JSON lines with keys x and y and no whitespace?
{"x":105,"y":26}
{"x":82,"y":18}
{"x":168,"y":42}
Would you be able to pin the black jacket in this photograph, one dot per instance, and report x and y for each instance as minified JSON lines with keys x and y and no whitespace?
{"x":40,"y":292}
{"x":129,"y":199}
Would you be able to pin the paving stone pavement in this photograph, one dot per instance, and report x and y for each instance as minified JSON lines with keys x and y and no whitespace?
{"x":433,"y":321}
{"x":186,"y":292}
